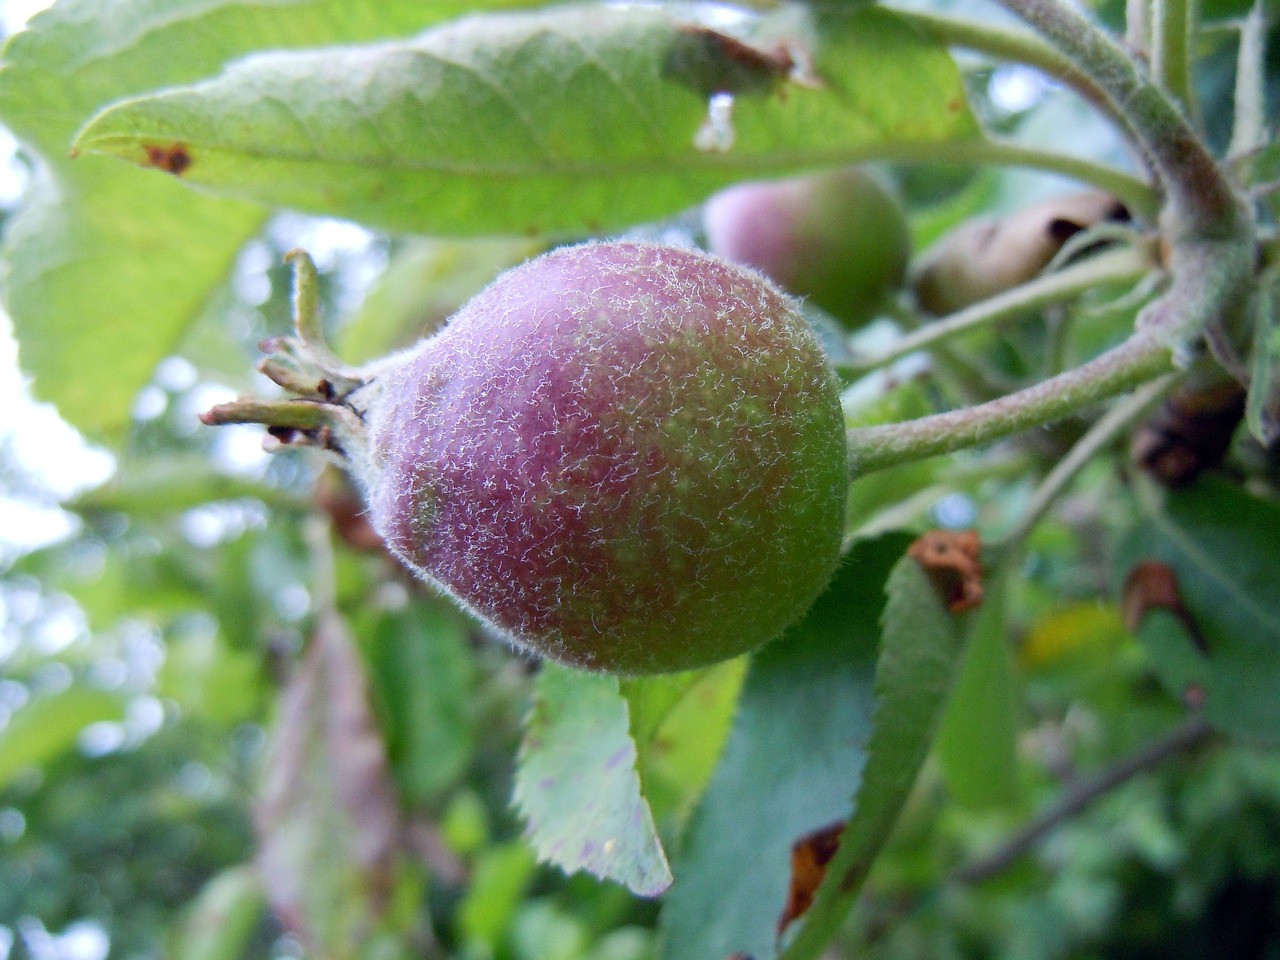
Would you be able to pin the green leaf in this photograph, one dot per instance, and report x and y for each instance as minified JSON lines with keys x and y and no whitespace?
{"x":577,"y":119}
{"x":792,"y":761}
{"x":679,"y":723}
{"x":424,"y":678}
{"x":47,"y":727}
{"x":577,"y":786}
{"x":328,"y":817}
{"x":425,"y":284}
{"x":147,"y":487}
{"x":498,"y":883}
{"x":107,"y":266}
{"x":919,"y":651}
{"x":219,"y":924}
{"x":1262,"y":409}
{"x":1220,"y":542}
{"x":104,"y":275}
{"x":211,"y":680}
{"x":978,"y":738}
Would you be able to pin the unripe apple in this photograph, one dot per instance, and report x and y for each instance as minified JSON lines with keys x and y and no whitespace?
{"x":838,"y":238}
{"x":623,"y":456}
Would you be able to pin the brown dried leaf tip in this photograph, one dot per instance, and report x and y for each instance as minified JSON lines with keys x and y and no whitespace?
{"x":809,"y":858}
{"x":1190,"y":433}
{"x":175,"y":158}
{"x":952,"y":560}
{"x":1152,"y":585}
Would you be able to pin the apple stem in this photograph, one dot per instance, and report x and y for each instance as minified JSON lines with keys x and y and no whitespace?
{"x":1144,"y":355}
{"x":1172,"y":25}
{"x":1018,"y":46}
{"x":1121,"y":266}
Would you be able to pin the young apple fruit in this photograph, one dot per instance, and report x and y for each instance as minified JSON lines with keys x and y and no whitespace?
{"x":838,"y":239}
{"x":623,"y":456}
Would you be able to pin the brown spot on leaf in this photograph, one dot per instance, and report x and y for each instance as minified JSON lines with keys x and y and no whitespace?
{"x":1152,"y":585}
{"x":729,"y":49}
{"x":175,"y":158}
{"x":809,"y":858}
{"x":952,"y":560}
{"x":713,"y":62}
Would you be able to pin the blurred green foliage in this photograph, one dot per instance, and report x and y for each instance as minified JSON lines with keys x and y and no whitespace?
{"x":147,"y":655}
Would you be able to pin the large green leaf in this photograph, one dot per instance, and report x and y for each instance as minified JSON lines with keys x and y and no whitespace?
{"x":679,"y":723}
{"x":577,"y":785}
{"x":105,"y":266}
{"x":103,"y":276}
{"x":919,"y":652}
{"x":978,"y":739}
{"x":47,"y":727}
{"x":219,"y":924}
{"x":422,"y":669}
{"x":424,"y":284}
{"x":576,"y":119}
{"x":793,"y":760}
{"x":1220,"y":542}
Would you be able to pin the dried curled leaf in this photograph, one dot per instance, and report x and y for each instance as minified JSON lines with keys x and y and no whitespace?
{"x":952,"y":560}
{"x":1152,"y":585}
{"x":328,"y":816}
{"x":988,"y":255}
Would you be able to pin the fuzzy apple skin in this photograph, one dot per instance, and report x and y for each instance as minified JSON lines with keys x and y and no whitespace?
{"x":626,"y":457}
{"x":837,"y":238}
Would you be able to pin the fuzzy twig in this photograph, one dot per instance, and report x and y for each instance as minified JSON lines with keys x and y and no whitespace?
{"x":1045,"y":290}
{"x":1142,"y":356}
{"x":1201,"y":201}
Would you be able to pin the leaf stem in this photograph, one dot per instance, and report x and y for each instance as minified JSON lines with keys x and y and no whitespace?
{"x":1144,"y":355}
{"x":1136,"y":194}
{"x":1120,"y":266}
{"x":1171,"y":50}
{"x":1137,"y":27}
{"x":1114,"y":422}
{"x":1249,"y":128}
{"x":1192,"y":734}
{"x":1018,"y":46}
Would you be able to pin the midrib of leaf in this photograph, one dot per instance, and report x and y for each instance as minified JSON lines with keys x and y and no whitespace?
{"x":673,"y":163}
